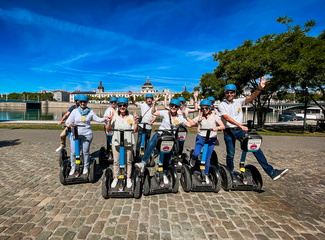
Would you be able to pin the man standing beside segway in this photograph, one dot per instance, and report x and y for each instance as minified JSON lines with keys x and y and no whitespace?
{"x":146,"y":117}
{"x":231,"y":112}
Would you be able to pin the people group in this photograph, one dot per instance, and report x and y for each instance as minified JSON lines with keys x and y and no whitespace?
{"x":226,"y":117}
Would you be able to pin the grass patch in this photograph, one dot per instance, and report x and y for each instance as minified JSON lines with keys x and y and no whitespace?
{"x":268,"y":130}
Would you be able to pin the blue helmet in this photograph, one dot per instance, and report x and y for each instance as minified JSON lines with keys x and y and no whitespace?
{"x":181,"y":99}
{"x":211,"y":99}
{"x":176,"y":102}
{"x":230,"y":87}
{"x":113,"y":99}
{"x":122,"y":100}
{"x":205,"y":102}
{"x":83,"y":98}
{"x":76,"y":97}
{"x":149,"y":95}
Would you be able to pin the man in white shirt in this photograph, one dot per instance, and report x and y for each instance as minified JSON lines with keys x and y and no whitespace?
{"x":147,"y":119}
{"x":231,"y":112}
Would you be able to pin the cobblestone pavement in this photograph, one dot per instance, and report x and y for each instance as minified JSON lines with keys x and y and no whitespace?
{"x":34,"y":205}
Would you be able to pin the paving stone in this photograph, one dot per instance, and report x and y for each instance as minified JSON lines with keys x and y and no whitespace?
{"x":34,"y":205}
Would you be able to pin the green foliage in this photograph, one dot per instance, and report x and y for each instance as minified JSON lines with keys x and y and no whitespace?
{"x":29,"y":96}
{"x":291,"y":59}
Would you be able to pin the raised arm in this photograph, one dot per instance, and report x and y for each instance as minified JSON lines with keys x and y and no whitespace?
{"x":153,"y":109}
{"x":196,"y":106}
{"x":262,"y":85}
{"x":132,"y":98}
{"x":165,"y":101}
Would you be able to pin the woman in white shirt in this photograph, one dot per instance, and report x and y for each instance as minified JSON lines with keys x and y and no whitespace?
{"x":122,"y":120}
{"x":206,"y":120}
{"x":82,"y":116}
{"x":170,"y":119}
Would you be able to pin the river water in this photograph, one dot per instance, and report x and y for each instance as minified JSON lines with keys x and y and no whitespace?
{"x":55,"y":114}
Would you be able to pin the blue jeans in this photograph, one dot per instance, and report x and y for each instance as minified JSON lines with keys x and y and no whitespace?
{"x":84,"y":141}
{"x":150,"y":148}
{"x":230,"y":138}
{"x":199,"y":143}
{"x":147,"y":133}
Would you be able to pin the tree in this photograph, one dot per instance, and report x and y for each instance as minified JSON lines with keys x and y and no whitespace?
{"x":291,"y":59}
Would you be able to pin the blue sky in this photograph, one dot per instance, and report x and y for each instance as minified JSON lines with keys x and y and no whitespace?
{"x":74,"y":44}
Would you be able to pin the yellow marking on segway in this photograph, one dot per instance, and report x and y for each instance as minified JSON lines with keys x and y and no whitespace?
{"x":202,"y":167}
{"x":160,"y":169}
{"x":121,"y":176}
{"x":78,"y":161}
{"x":242,"y":169}
{"x":142,"y":153}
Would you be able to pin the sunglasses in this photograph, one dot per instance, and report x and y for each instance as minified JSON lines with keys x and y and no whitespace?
{"x":173,"y":106}
{"x":205,"y":108}
{"x":122,"y":105}
{"x":113,"y":102}
{"x":230,"y":92}
{"x":82,"y":102}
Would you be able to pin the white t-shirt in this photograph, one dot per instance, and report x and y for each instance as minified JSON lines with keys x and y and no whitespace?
{"x":109,"y":111}
{"x":165,"y":124}
{"x":146,"y":114}
{"x":209,"y":123}
{"x":233,"y":110}
{"x":122,"y":123}
{"x":76,"y":118}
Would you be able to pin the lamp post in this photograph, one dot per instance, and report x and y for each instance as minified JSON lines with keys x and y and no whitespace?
{"x":305,"y":107}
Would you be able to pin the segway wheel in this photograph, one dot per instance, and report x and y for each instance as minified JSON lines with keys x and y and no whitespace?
{"x":186,"y":180}
{"x":256,"y":175}
{"x":64,"y":171}
{"x":226,"y":181}
{"x":214,"y":159}
{"x":62,"y":156}
{"x":146,"y":183}
{"x":101,"y":156}
{"x":137,"y":184}
{"x":92,"y":171}
{"x":215,"y":177}
{"x":106,"y":183}
{"x":172,"y":172}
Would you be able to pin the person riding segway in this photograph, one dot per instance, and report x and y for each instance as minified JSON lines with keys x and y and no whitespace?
{"x":203,"y":175}
{"x":166,"y":179}
{"x":124,"y":181}
{"x":232,"y":116}
{"x":81,"y":136}
{"x":106,"y":154}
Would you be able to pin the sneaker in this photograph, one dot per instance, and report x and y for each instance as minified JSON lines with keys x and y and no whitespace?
{"x":128,"y":183}
{"x":114,"y":183}
{"x":179,"y":164}
{"x":85,"y":171}
{"x":59,"y":149}
{"x":72,"y":170}
{"x":279,"y":173}
{"x":166,"y":181}
{"x":233,"y":176}
{"x":140,"y":166}
{"x":207,"y":180}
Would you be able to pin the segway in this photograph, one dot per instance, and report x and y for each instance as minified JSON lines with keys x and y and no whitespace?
{"x":106,"y":154}
{"x":155,"y":184}
{"x":179,"y":157}
{"x":121,"y":190}
{"x":248,"y":178}
{"x":78,"y":176}
{"x":194,"y":178}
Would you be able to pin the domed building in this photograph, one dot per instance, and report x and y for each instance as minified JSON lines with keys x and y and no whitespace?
{"x":147,"y":87}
